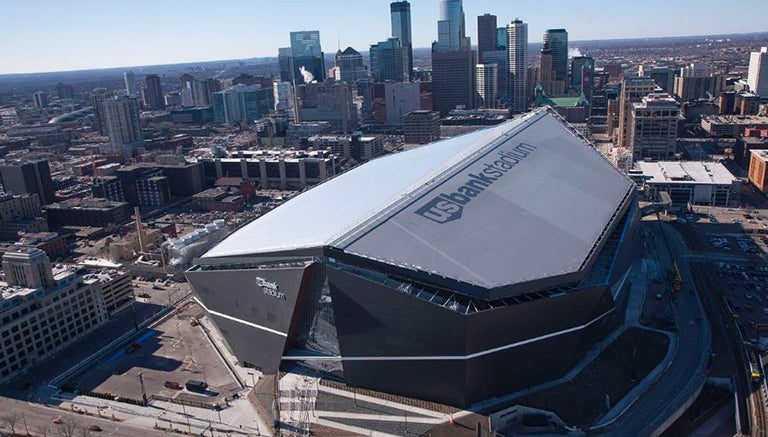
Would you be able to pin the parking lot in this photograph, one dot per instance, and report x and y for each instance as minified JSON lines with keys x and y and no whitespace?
{"x":745,"y":289}
{"x":173,"y":352}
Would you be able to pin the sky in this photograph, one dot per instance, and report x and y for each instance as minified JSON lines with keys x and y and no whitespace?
{"x":59,"y":35}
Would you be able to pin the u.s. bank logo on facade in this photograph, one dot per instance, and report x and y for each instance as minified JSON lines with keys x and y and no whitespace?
{"x":270,"y":288}
{"x":448,"y":207}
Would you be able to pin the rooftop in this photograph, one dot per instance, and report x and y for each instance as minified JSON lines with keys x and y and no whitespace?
{"x":685,"y":172}
{"x":494,"y":194}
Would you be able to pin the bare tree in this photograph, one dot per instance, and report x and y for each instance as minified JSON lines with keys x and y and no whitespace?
{"x":10,"y":421}
{"x":83,"y":431}
{"x":43,"y":429}
{"x":67,"y":428}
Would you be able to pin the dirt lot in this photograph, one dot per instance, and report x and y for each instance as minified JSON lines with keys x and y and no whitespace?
{"x":173,"y":351}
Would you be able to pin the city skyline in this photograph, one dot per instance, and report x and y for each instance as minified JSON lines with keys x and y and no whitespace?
{"x":122,"y":35}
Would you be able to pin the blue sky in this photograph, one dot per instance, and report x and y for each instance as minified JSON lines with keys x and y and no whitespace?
{"x":54,"y":35}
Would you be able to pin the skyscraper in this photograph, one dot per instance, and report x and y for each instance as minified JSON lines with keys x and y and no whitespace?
{"x":486,"y":35}
{"x":387,"y":61}
{"x":130,"y":83}
{"x":122,"y":120}
{"x":41,"y":99}
{"x":350,"y":64}
{"x":551,"y":86}
{"x":453,"y":61}
{"x":487,"y":84}
{"x":633,"y":89}
{"x":758,"y":73}
{"x":450,"y":27}
{"x":558,"y":43}
{"x":28,"y":177}
{"x":153,"y":92}
{"x":401,"y":29}
{"x":307,"y":57}
{"x":517,"y":49}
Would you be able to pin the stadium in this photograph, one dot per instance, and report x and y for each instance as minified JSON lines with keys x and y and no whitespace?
{"x":454,"y":272}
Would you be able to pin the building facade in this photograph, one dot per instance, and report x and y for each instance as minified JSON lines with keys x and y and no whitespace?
{"x":757,"y":77}
{"x":421,"y":127}
{"x":487,"y":76}
{"x":43,"y":311}
{"x":654,"y":122}
{"x":400,"y":14}
{"x":517,"y":50}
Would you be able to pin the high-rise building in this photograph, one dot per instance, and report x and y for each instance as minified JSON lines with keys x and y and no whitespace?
{"x":453,"y":61}
{"x":130,"y":83}
{"x":152,"y":93}
{"x":662,"y":75}
{"x":633,"y":89}
{"x":451,"y":33}
{"x":186,"y":80}
{"x":453,"y":80}
{"x":307,"y":60}
{"x":654,"y":127}
{"x":242,"y":104}
{"x":41,"y":99}
{"x":582,"y":75}
{"x":350,"y":65}
{"x":65,"y":91}
{"x":401,"y":98}
{"x":285,"y":63}
{"x":284,"y":100}
{"x":98,"y":96}
{"x":557,"y":39}
{"x":486,"y":35}
{"x":551,"y":86}
{"x":122,"y":120}
{"x":401,"y":29}
{"x":517,"y":49}
{"x":387,"y":61}
{"x":28,"y":177}
{"x":487,"y":85}
{"x":757,"y":78}
{"x":335,"y":103}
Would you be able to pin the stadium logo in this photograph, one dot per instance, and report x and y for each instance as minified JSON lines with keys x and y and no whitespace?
{"x":448,"y":207}
{"x":270,"y":288}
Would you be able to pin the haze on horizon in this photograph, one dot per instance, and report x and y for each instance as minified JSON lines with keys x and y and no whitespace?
{"x":50,"y":35}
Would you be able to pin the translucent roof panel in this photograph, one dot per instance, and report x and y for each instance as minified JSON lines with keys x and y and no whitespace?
{"x":328,"y":211}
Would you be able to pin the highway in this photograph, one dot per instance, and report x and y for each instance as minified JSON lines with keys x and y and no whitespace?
{"x":665,"y":397}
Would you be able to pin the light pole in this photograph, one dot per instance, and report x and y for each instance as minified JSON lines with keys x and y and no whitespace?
{"x":184,"y":409}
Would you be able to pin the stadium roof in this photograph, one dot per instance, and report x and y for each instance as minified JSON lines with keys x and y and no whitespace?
{"x":518,"y":202}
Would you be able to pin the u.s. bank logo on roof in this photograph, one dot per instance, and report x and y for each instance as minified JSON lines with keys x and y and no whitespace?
{"x":448,"y":207}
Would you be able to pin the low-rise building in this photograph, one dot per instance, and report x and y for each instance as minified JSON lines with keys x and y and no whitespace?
{"x":360,"y":147}
{"x":421,"y":127}
{"x":218,"y":199}
{"x":87,"y":212}
{"x":732,"y":126}
{"x":283,"y":169}
{"x":115,"y":287}
{"x":688,"y":182}
{"x":758,"y":169}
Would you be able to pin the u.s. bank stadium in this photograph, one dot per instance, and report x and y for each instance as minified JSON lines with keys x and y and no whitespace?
{"x":458,"y":271}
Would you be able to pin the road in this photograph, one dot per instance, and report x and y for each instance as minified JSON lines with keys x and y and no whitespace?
{"x":688,"y":370}
{"x":37,"y":416}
